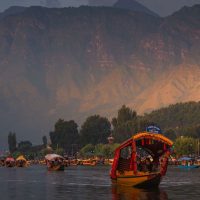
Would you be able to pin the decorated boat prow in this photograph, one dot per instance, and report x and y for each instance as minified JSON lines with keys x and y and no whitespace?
{"x":55,"y":162}
{"x":142,"y":160}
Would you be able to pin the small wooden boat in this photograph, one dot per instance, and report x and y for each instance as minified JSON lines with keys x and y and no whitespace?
{"x":89,"y":162}
{"x":188,"y":166}
{"x":55,"y":162}
{"x":10,"y":162}
{"x":108,"y":161}
{"x":187,"y":163}
{"x":129,"y":167}
{"x":21,"y":162}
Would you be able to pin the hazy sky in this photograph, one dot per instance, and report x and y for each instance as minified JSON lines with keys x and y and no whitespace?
{"x":167,"y":7}
{"x":162,"y":7}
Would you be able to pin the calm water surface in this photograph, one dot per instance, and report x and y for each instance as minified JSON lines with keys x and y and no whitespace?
{"x":88,"y":183}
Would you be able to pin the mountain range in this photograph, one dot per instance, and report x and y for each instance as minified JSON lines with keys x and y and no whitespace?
{"x":134,"y":6}
{"x":160,"y":7}
{"x":74,"y":62}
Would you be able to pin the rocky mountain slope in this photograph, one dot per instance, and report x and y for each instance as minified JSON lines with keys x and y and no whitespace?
{"x":73,"y":62}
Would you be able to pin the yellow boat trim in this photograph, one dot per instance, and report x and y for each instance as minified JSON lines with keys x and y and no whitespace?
{"x":154,"y":136}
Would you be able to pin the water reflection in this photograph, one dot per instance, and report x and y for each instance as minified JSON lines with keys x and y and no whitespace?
{"x":129,"y":193}
{"x":91,"y":183}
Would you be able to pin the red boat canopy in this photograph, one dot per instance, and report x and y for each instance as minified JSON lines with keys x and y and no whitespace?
{"x":10,"y":159}
{"x":154,"y":143}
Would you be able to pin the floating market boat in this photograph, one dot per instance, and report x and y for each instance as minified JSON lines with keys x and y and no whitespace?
{"x":55,"y":162}
{"x":142,"y":160}
{"x":187,"y":163}
{"x":10,"y":162}
{"x":21,"y":161}
{"x":89,"y":162}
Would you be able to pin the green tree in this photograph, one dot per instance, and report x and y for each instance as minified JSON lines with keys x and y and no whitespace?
{"x":125,"y":124}
{"x":185,"y":146}
{"x":65,"y":134}
{"x":125,"y":114}
{"x":143,"y":123}
{"x":24,"y":146}
{"x":171,"y":134}
{"x":98,"y":150}
{"x":12,"y":142}
{"x":60,"y":151}
{"x":44,"y":141}
{"x":95,"y":130}
{"x":87,"y":150}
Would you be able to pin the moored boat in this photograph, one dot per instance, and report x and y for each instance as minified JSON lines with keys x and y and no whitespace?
{"x":55,"y":162}
{"x":187,"y":163}
{"x":10,"y":162}
{"x":89,"y":162}
{"x":21,"y":162}
{"x":188,"y":166}
{"x":142,"y":160}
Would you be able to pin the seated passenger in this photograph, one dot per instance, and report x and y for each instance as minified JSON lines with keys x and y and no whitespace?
{"x":149,"y":165}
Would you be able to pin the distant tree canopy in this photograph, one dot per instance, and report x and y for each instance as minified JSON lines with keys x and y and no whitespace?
{"x":183,"y":118}
{"x":105,"y":150}
{"x":87,"y":150}
{"x":171,"y":134}
{"x":24,"y":146}
{"x":44,"y":140}
{"x":125,"y":124}
{"x":94,"y":130}
{"x":179,"y":122}
{"x":185,"y":146}
{"x":12,"y":142}
{"x":65,"y":134}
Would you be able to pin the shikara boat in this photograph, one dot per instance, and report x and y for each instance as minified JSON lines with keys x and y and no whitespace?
{"x":188,"y":166}
{"x":142,"y":160}
{"x":89,"y":162}
{"x":10,"y":162}
{"x":55,"y":162}
{"x":21,"y":162}
{"x":187,"y":163}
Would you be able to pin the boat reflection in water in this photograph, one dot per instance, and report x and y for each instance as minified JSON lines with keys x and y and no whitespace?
{"x":131,"y":193}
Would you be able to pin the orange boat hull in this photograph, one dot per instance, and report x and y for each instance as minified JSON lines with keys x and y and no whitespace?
{"x":143,"y":180}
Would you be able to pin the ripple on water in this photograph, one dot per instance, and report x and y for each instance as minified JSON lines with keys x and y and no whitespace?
{"x":91,"y":183}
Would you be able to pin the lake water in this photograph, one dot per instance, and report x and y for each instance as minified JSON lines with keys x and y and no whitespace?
{"x":91,"y":183}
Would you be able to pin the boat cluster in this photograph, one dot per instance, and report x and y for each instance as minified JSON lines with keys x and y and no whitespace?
{"x":11,"y":162}
{"x":185,"y":162}
{"x":140,"y":161}
{"x":54,"y":162}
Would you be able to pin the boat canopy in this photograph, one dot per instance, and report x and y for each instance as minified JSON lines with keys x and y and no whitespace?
{"x":185,"y":158}
{"x":155,"y":144}
{"x":53,"y":156}
{"x":21,"y":158}
{"x":10,"y":159}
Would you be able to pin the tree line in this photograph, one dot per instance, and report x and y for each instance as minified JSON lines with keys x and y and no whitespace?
{"x":179,"y":122}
